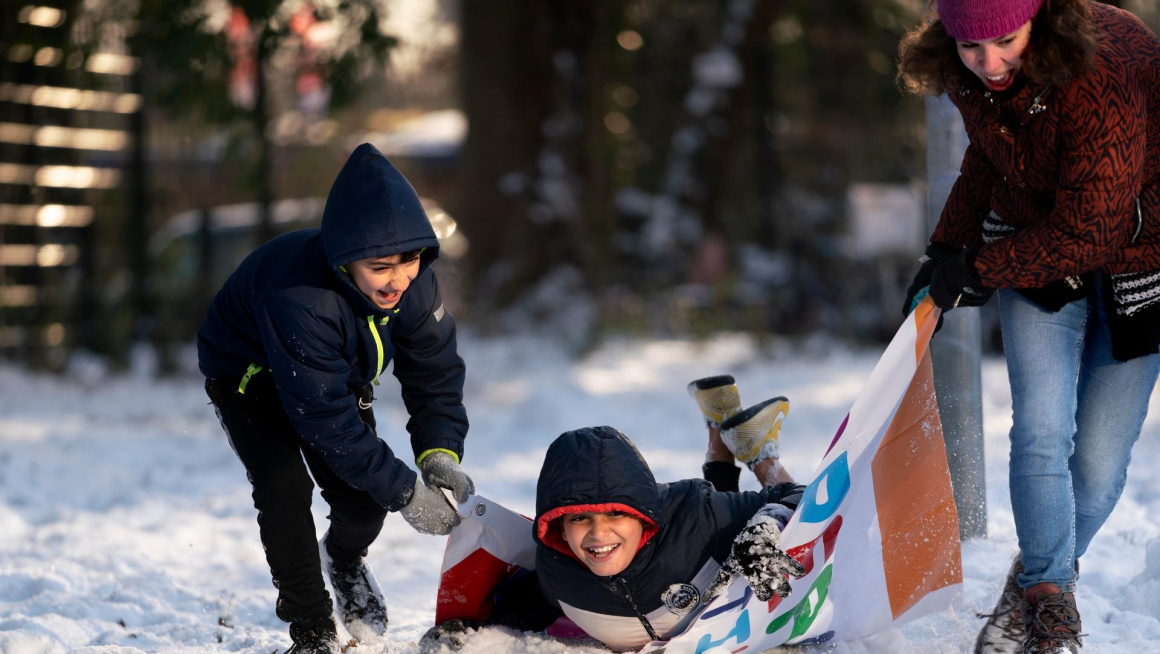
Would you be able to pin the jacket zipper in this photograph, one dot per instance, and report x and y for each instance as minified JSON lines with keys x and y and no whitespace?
{"x":379,"y":341}
{"x":639,"y":616}
{"x":1139,"y":221}
{"x":378,"y":345}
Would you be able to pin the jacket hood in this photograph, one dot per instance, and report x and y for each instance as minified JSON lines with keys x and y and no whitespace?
{"x":372,"y":211}
{"x":594,"y":469}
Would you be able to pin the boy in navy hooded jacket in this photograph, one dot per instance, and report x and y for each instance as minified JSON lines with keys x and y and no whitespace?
{"x":291,"y":347}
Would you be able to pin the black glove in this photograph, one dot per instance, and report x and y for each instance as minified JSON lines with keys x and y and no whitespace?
{"x":955,"y":283}
{"x":756,"y":555}
{"x":936,"y":253}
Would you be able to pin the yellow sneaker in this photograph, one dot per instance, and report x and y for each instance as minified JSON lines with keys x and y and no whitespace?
{"x":717,"y":397}
{"x":751,"y":435}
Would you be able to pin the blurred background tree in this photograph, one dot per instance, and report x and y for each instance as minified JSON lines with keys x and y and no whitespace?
{"x":267,"y":57}
{"x":593,"y":167}
{"x":677,"y":166}
{"x":223,"y":84}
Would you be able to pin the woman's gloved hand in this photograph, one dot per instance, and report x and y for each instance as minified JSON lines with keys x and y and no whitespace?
{"x":935,"y":254}
{"x":955,"y":282}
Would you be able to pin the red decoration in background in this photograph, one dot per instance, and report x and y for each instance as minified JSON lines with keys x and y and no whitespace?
{"x":244,"y":72}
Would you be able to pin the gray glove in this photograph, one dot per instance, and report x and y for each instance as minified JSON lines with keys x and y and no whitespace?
{"x":429,"y":512}
{"x":441,"y":471}
{"x":757,"y":557}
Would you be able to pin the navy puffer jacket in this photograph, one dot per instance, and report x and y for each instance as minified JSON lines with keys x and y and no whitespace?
{"x":290,"y":309}
{"x":689,"y":530}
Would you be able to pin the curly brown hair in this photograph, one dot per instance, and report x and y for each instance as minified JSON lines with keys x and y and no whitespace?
{"x":1062,"y":48}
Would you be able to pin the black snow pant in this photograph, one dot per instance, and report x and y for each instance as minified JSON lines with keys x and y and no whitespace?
{"x":273,"y":452}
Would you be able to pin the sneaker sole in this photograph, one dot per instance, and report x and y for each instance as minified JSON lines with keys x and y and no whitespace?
{"x":752,"y":447}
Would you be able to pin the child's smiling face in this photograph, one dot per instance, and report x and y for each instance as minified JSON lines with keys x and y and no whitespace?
{"x":605,"y":542}
{"x":383,"y":279}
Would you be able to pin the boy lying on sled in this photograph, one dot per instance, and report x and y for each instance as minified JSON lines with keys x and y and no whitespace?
{"x":631,"y":561}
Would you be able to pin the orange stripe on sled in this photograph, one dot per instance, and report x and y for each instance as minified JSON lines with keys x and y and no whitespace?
{"x":925,"y":319}
{"x":916,"y":507}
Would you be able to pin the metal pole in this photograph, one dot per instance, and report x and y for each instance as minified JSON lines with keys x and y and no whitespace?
{"x":956,"y":352}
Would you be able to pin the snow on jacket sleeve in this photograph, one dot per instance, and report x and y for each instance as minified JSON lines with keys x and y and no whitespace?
{"x":961,"y":222}
{"x":429,"y":368}
{"x":731,"y":511}
{"x":1102,"y":142}
{"x":303,"y":343}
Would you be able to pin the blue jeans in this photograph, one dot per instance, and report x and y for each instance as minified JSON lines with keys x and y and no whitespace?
{"x":1076,"y":414}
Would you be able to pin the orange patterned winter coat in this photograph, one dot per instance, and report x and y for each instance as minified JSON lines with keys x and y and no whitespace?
{"x":1062,"y":167}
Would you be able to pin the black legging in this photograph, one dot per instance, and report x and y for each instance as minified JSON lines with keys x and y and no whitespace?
{"x":273,"y":453}
{"x":725,"y":476}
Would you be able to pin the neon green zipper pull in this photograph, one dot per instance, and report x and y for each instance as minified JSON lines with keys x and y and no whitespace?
{"x":250,"y":372}
{"x":378,"y":346}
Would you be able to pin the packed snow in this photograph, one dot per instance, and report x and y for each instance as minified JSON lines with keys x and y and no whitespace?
{"x":126,"y":523}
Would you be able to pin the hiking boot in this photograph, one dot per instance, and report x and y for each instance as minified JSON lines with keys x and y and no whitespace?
{"x":314,"y":636}
{"x":751,"y":435}
{"x":1004,"y":632}
{"x":1051,"y":620}
{"x":357,"y":596}
{"x":717,"y":398}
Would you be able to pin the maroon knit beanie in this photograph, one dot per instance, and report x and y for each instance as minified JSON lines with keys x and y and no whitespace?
{"x":979,"y":20}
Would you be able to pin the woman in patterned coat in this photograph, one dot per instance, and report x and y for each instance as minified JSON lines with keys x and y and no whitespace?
{"x":1058,"y":207}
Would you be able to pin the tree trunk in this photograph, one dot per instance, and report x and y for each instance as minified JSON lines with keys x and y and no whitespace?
{"x":265,"y":230}
{"x":732,"y":156}
{"x":527,"y":84}
{"x":503,"y":75}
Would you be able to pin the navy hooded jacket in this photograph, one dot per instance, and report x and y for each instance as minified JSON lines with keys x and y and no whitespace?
{"x":688,"y":532}
{"x":290,"y":309}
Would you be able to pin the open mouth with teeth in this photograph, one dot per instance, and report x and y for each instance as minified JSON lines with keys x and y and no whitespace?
{"x":999,"y":82}
{"x":603,"y":552}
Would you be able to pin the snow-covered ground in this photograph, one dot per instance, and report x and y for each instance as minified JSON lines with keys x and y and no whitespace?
{"x":126,"y":523}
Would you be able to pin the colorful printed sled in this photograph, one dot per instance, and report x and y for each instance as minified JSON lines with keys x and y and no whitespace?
{"x":877,"y":528}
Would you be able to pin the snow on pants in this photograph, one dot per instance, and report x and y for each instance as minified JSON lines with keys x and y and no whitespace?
{"x":272,"y":453}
